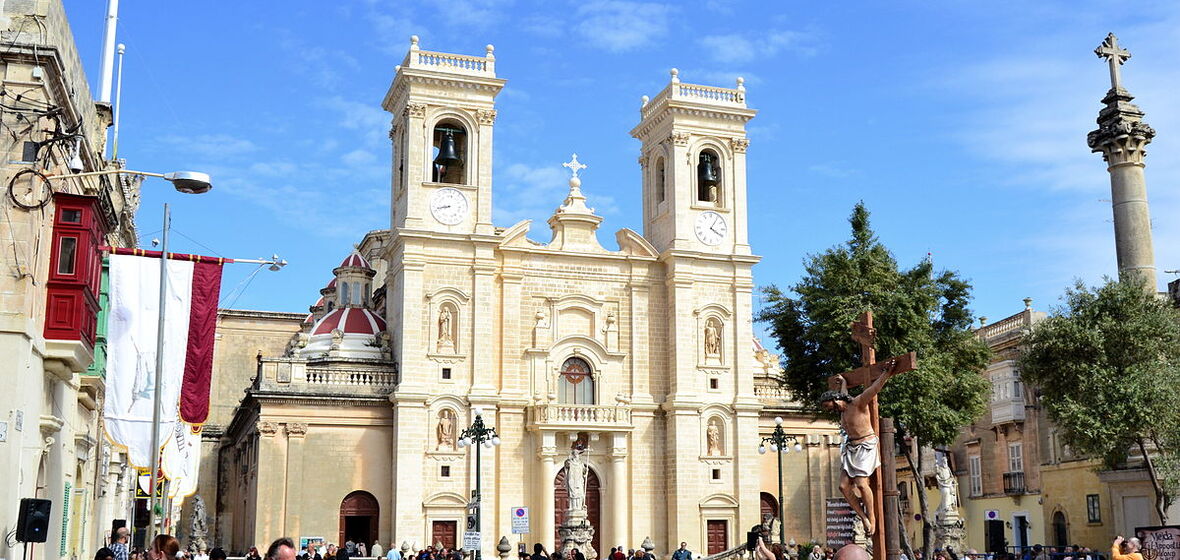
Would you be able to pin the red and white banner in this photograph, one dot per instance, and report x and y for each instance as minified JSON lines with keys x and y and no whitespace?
{"x":194,"y":285}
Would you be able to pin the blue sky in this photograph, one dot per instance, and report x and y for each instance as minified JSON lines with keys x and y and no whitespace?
{"x":962,"y":125}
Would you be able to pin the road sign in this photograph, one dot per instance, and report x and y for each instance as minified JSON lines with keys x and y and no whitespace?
{"x":520,"y":521}
{"x":471,"y":540}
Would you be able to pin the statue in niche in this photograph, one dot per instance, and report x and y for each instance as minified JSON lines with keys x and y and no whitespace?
{"x":446,"y":338}
{"x":713,"y":445}
{"x":445,"y":432}
{"x":712,"y":338}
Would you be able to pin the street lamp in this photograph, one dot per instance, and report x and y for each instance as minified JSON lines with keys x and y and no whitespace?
{"x":780,"y":443}
{"x":478,"y":435}
{"x":188,"y":182}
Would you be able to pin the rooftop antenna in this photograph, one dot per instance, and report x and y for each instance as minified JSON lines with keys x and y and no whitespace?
{"x":108,"y":52}
{"x":118,"y":103}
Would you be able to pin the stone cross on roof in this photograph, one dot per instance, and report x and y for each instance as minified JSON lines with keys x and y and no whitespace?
{"x":574,"y":166}
{"x":1115,"y":56}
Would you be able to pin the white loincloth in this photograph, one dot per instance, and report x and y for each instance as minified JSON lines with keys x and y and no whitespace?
{"x":860,"y":458}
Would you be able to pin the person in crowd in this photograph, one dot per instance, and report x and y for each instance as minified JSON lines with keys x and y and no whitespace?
{"x":1125,"y":549}
{"x":817,"y":553}
{"x":539,"y":552}
{"x":217,"y":553}
{"x":361,"y":550}
{"x":682,"y":553}
{"x":619,"y":554}
{"x":253,"y":554}
{"x":394,"y":553}
{"x":104,"y":553}
{"x":377,"y":550}
{"x":119,"y":544}
{"x":330,"y":552}
{"x":165,"y":547}
{"x":283,"y":548}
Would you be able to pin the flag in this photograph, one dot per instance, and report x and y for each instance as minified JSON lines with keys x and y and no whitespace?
{"x":181,"y":460}
{"x":190,"y":318}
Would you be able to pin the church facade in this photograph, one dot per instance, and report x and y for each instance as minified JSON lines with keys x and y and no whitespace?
{"x":641,"y":357}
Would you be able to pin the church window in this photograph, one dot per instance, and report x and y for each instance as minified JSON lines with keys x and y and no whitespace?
{"x":576,"y":383}
{"x":716,"y":474}
{"x":344,"y":294}
{"x":446,"y":373}
{"x":714,"y":383}
{"x":708,"y":177}
{"x":974,"y":476}
{"x":660,"y":179}
{"x":450,"y":151}
{"x":445,"y":471}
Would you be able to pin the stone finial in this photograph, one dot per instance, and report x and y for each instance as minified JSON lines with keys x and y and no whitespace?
{"x":648,"y":544}
{"x":645,"y":99}
{"x":675,"y":75}
{"x":491,"y":49}
{"x":504,"y":547}
{"x":741,"y":83}
{"x":413,"y":42}
{"x":982,"y":321}
{"x":1028,"y":303}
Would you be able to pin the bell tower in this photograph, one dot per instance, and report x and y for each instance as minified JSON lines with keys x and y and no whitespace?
{"x":694,"y":167}
{"x":443,"y":108}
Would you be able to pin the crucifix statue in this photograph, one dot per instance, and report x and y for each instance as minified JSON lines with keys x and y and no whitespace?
{"x":1115,"y":56}
{"x":859,"y":456}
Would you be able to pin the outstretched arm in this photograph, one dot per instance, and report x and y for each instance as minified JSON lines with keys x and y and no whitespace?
{"x":873,"y":388}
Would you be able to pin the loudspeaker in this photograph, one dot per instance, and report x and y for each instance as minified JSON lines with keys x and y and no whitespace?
{"x":32,"y":524}
{"x":752,"y":539}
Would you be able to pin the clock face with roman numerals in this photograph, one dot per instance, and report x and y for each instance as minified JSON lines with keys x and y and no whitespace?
{"x":710,"y":228}
{"x":448,"y":206}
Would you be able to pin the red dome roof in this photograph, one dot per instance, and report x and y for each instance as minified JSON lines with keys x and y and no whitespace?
{"x":351,"y":320}
{"x":331,"y":284}
{"x":355,"y":260}
{"x":307,"y":320}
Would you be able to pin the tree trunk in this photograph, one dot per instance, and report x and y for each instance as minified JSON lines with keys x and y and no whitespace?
{"x":927,"y":527}
{"x":1155,"y":484}
{"x":905,"y":538}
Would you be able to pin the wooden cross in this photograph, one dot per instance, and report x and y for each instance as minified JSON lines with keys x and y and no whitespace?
{"x":869,"y":371}
{"x":1115,"y":56}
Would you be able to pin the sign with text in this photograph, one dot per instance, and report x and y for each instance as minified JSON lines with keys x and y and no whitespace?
{"x":471,"y":540}
{"x":840,"y":519}
{"x":520,"y":520}
{"x":1160,"y":543}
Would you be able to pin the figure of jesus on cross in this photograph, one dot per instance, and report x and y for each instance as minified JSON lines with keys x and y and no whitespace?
{"x":859,"y":456}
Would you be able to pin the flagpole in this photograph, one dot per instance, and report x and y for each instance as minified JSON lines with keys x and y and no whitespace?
{"x":155,"y":442}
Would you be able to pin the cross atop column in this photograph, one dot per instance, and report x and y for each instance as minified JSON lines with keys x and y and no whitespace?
{"x":1115,"y":56}
{"x":574,"y":166}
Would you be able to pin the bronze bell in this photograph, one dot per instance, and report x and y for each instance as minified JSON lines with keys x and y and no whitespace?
{"x":447,"y":154}
{"x":707,"y":179}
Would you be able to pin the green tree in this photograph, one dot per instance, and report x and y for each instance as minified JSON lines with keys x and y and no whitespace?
{"x":916,"y":309}
{"x":1108,"y":368}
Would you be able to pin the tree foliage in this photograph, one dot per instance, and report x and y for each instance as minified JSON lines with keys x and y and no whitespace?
{"x":914,"y":310}
{"x":1108,"y":368}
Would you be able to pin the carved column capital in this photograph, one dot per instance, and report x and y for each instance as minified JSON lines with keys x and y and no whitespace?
{"x":679,"y":138}
{"x":415,"y":110}
{"x":486,"y":116}
{"x":739,"y":145}
{"x":296,"y":429}
{"x":267,"y":428}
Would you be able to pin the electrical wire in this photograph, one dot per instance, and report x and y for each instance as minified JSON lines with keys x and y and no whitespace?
{"x":203,"y":246}
{"x":240,"y":289}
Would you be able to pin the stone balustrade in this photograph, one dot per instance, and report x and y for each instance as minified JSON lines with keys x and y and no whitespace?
{"x":447,"y":62}
{"x":299,"y":377}
{"x":695,"y":93}
{"x":576,"y":415}
{"x":1008,"y":326}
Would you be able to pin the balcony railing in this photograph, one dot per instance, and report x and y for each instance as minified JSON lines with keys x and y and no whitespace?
{"x":1014,"y":483}
{"x":1007,"y":410}
{"x":577,"y":415}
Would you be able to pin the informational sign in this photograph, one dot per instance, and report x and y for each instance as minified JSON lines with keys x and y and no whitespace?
{"x":1159,"y":543}
{"x":520,"y":520}
{"x":314,"y":541}
{"x":471,"y":540}
{"x":840,"y":519}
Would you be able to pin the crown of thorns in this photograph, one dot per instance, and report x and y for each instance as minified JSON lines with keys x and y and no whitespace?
{"x":835,"y":396}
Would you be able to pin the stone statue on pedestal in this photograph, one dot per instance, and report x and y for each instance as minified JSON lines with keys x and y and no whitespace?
{"x":948,"y":527}
{"x":575,"y":531}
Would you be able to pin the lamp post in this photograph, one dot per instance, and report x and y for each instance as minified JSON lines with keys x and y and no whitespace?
{"x":478,"y":435}
{"x":780,"y":443}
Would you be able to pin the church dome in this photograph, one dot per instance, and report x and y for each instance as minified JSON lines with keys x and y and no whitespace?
{"x":347,"y":332}
{"x":355,"y":260}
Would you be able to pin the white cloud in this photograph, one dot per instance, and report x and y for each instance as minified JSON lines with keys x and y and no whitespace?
{"x":736,"y":48}
{"x":216,"y":146}
{"x":358,"y":157}
{"x":620,"y":26}
{"x":368,"y":118}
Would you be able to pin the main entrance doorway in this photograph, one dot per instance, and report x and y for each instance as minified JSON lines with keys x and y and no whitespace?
{"x":718,"y":534}
{"x":359,"y":516}
{"x":443,"y":532}
{"x":561,"y":501}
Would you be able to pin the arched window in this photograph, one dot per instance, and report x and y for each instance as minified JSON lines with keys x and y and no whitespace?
{"x":660,"y":179}
{"x":709,"y":177}
{"x":449,"y":163}
{"x":1060,"y":529}
{"x":344,"y":294}
{"x":576,"y":383}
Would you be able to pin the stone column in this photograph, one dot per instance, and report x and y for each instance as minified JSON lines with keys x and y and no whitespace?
{"x":1122,"y":138}
{"x":619,"y":504}
{"x":545,"y":512}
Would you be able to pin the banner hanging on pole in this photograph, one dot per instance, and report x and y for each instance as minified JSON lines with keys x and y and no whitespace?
{"x":191,"y":314}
